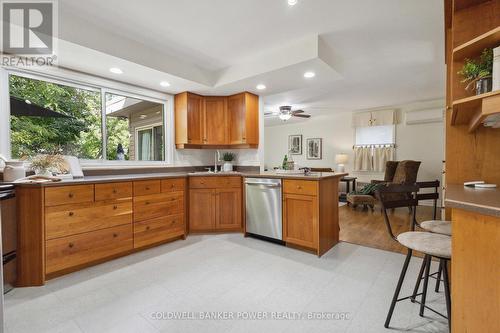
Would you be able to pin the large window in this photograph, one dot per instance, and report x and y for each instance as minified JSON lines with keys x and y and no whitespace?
{"x":58,"y":118}
{"x":48,"y":118}
{"x":134,"y":129}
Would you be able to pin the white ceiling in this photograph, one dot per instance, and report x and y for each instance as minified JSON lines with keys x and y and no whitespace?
{"x":366,"y":53}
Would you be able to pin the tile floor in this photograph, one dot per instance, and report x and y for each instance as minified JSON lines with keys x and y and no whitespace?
{"x":239,"y":277}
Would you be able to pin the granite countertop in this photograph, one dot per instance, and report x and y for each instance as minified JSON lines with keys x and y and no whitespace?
{"x":480,"y":200}
{"x":152,"y":176}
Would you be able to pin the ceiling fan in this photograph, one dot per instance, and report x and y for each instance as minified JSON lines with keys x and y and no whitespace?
{"x":285,"y":113}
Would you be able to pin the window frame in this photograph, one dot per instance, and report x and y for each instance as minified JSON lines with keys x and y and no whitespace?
{"x":142,"y":128}
{"x":92,"y":83}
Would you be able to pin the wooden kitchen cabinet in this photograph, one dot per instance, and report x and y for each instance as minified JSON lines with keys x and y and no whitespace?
{"x":300,"y":219}
{"x":243,"y":119}
{"x":215,"y":116}
{"x":216,"y":121}
{"x":189,"y":120}
{"x":201,"y":210}
{"x":228,"y":209}
{"x":215,"y":204}
{"x":310,"y":214}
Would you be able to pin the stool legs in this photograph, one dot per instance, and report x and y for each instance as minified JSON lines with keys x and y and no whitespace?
{"x":447,"y":290}
{"x":398,"y":288}
{"x":417,"y":284}
{"x":438,"y":277}
{"x":427,"y":260}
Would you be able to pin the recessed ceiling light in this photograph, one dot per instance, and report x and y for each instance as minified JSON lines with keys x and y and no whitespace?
{"x":261,"y":87}
{"x":115,"y":70}
{"x":164,"y":84}
{"x":292,"y":2}
{"x":309,"y":75}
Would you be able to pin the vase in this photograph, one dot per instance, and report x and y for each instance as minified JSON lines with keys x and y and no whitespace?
{"x":227,"y":167}
{"x":483,"y":85}
{"x":43,"y":173}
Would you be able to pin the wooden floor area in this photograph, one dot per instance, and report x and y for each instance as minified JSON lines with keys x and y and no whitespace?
{"x":364,"y":227}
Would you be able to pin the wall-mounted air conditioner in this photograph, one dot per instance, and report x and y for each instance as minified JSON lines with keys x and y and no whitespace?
{"x":424,"y":116}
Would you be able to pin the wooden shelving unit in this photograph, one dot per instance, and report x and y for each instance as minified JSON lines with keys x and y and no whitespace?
{"x":475,"y":46}
{"x":473,"y":110}
{"x":470,"y":110}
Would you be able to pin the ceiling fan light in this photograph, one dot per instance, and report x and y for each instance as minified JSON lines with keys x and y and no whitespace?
{"x":285,"y":116}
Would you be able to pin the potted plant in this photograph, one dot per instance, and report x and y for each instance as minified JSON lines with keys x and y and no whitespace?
{"x":46,"y":165}
{"x":228,"y":158}
{"x":477,"y":73}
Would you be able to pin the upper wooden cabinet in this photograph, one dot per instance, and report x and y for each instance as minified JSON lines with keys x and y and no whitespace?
{"x":216,"y":121}
{"x":189,"y":119}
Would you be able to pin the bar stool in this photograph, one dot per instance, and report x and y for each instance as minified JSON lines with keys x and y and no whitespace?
{"x":430,"y":244}
{"x":434,"y":226}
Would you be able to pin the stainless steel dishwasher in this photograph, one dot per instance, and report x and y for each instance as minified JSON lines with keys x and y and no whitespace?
{"x":263,"y":207}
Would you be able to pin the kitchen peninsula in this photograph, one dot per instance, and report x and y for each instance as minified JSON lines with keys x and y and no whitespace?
{"x":68,"y":225}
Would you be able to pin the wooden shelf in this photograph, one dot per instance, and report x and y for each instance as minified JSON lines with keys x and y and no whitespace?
{"x":473,"y":110}
{"x":464,"y":4}
{"x":474,"y":47}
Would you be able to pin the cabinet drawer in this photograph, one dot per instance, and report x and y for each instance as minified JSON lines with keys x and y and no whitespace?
{"x":215,"y":182}
{"x":158,"y":230}
{"x":158,"y":205}
{"x":72,"y":251}
{"x":305,"y":187}
{"x":173,"y":185}
{"x":113,"y":191}
{"x":69,"y":220}
{"x":69,"y":195}
{"x":147,"y":187}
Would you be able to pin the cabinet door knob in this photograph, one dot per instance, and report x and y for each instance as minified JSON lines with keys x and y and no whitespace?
{"x":114,"y":191}
{"x":147,"y":202}
{"x":71,"y":214}
{"x":115,"y":207}
{"x":115,"y":235}
{"x":148,"y":227}
{"x":70,"y":245}
{"x":147,"y":188}
{"x":172,"y":186}
{"x":70,"y":195}
{"x":299,"y":187}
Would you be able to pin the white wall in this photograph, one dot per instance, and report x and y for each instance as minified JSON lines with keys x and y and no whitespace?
{"x":423,"y":142}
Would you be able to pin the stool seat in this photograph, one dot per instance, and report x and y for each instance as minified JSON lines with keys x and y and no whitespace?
{"x":437,"y":227}
{"x":428,"y":243}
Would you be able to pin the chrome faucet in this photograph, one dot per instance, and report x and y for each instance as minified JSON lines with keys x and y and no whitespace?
{"x":217,"y":159}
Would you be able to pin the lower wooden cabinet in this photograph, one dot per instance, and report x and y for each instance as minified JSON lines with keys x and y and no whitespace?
{"x":158,"y":230}
{"x":72,"y":251}
{"x":310,"y":213}
{"x":228,"y":209}
{"x":217,"y":207}
{"x":201,"y":209}
{"x":300,"y":218}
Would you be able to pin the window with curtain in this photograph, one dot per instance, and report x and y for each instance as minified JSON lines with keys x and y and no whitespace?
{"x":374,"y":140}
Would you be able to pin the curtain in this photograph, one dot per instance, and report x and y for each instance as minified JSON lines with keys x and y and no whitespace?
{"x":145,"y":145}
{"x":363,"y":159}
{"x":380,"y":156}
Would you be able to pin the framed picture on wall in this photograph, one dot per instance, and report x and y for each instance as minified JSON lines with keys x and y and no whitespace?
{"x":295,"y":144}
{"x":314,"y":149}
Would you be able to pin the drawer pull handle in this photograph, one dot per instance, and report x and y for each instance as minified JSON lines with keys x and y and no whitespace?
{"x":299,"y":187}
{"x":148,"y":227}
{"x":71,"y":214}
{"x":71,"y":245}
{"x":173,"y":199}
{"x":147,"y":188}
{"x":172,"y":186}
{"x":173,"y":222}
{"x":71,"y":195}
{"x":147,"y":202}
{"x":115,"y":235}
{"x":115,"y":207}
{"x":114,"y":191}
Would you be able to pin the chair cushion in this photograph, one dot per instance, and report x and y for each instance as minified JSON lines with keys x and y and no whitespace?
{"x":437,"y":227}
{"x":426,"y":242}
